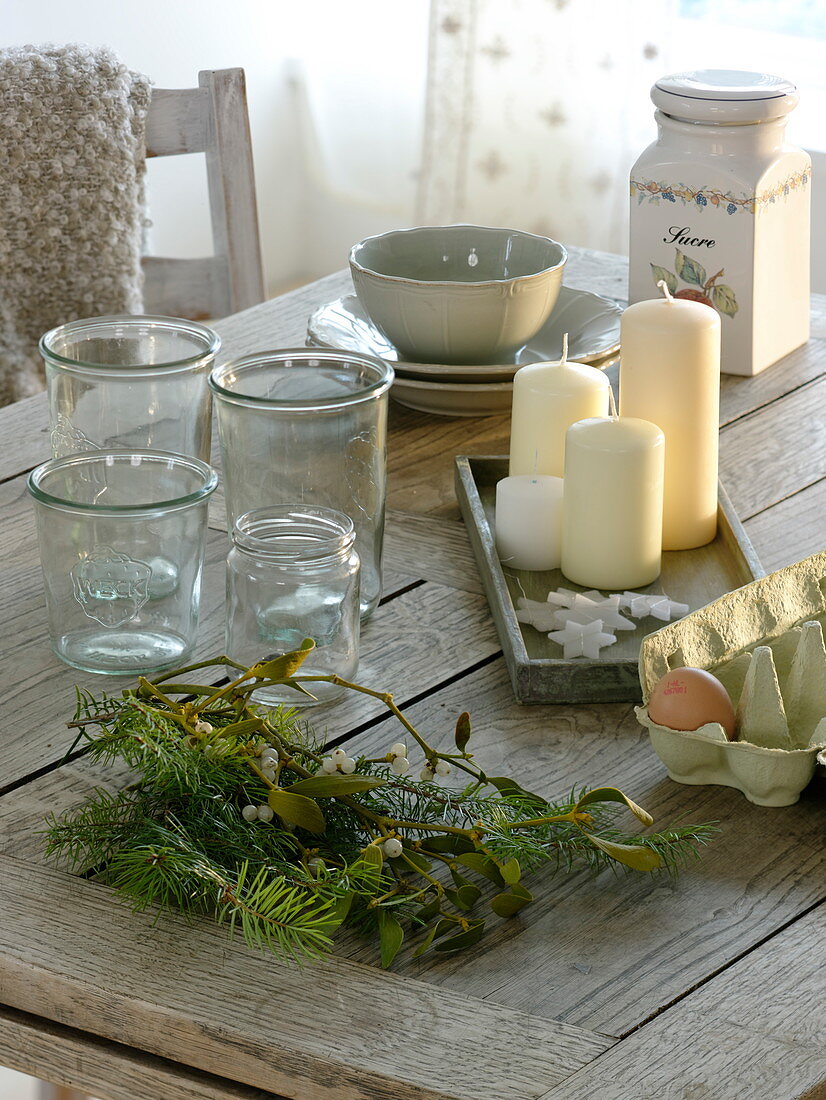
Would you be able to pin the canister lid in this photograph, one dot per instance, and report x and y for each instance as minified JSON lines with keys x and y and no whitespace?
{"x":724,"y":96}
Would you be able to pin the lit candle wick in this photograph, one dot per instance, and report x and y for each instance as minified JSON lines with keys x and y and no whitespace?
{"x":564,"y":350}
{"x":664,"y":285}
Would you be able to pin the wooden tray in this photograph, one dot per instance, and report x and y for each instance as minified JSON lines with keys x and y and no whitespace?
{"x":538,"y":673}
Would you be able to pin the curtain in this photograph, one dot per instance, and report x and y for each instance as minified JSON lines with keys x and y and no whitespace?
{"x":536,"y":110}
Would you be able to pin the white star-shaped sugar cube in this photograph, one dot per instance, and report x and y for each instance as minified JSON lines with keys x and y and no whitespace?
{"x":582,"y":639}
{"x":655,"y":604}
{"x":534,"y":613}
{"x":611,"y":620}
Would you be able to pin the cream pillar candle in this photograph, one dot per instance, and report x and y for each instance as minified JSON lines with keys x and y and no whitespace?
{"x":547,"y":398}
{"x":528,"y":521}
{"x":670,"y":374}
{"x":613,"y":502}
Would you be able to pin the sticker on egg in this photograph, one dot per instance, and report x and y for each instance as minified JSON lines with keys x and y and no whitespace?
{"x":687,"y":698}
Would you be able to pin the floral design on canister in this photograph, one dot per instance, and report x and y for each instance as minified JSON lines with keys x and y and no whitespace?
{"x":658,"y":191}
{"x":700,"y":286}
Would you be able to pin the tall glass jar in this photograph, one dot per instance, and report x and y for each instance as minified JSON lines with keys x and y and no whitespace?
{"x":720,"y":211}
{"x":122,"y":536}
{"x":310,"y":427}
{"x":130,"y":381}
{"x":292,"y":573}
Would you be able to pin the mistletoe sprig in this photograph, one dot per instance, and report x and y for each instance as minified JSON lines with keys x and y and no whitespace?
{"x":237,"y":813}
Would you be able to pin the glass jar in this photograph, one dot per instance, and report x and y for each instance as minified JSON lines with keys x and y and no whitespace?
{"x":720,"y":211}
{"x":122,"y":537}
{"x":293,"y":573}
{"x":130,"y":381}
{"x":309,"y":427}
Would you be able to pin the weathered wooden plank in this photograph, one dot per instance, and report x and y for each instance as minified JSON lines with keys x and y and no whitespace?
{"x":792,"y":529}
{"x":767,"y":456}
{"x":740,"y":396}
{"x":177,"y":122}
{"x":183,"y":992}
{"x":607,"y":952}
{"x":74,"y":1060}
{"x":437,"y":549}
{"x":756,"y":1030}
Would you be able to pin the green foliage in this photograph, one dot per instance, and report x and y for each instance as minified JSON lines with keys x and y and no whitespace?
{"x":176,"y":838}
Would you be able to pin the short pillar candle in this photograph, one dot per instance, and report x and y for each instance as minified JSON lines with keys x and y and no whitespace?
{"x":547,"y":399}
{"x":613,"y":503}
{"x":528,"y":522}
{"x":670,"y":374}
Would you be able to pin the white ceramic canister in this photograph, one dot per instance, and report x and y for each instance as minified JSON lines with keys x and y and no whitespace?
{"x":720,"y":210}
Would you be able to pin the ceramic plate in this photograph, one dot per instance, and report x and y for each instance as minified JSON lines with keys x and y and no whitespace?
{"x":592,"y":324}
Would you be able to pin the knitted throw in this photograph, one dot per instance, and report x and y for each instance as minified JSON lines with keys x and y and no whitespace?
{"x":72,"y":123}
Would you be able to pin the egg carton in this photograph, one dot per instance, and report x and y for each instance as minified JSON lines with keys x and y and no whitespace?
{"x":764,"y":642}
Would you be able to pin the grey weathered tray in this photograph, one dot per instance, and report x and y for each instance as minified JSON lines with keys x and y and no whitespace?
{"x":538,"y":672}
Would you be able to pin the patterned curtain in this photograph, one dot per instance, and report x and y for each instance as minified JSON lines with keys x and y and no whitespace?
{"x":536,"y":110}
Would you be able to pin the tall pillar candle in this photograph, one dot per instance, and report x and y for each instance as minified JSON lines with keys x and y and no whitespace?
{"x":547,"y":398}
{"x":670,"y":374}
{"x":612,"y":503}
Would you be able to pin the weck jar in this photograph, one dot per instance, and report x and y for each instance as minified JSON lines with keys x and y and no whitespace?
{"x":720,"y":210}
{"x":292,"y":574}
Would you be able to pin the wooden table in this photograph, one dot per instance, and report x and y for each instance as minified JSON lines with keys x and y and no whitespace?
{"x":707,"y":988}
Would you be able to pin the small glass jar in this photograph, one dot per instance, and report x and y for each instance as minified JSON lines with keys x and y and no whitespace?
{"x":308,"y":425}
{"x":130,"y":381}
{"x":293,"y":573}
{"x":122,"y":537}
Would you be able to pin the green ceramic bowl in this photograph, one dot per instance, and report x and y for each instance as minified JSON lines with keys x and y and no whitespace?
{"x":458,"y":293}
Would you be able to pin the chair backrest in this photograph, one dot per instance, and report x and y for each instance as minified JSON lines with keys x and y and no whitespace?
{"x":210,"y":119}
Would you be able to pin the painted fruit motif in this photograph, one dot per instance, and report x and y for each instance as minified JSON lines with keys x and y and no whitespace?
{"x":702,"y":287}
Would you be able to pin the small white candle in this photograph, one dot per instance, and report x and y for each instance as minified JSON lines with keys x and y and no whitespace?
{"x":529,"y":521}
{"x":613,"y":507}
{"x":547,"y":398}
{"x":670,"y":374}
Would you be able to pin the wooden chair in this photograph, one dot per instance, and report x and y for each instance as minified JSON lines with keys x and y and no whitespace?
{"x":210,"y":119}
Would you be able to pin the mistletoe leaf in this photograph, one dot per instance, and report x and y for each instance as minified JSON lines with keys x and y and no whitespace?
{"x":241,"y":729}
{"x":418,"y":859}
{"x":462,"y":734}
{"x":452,"y":843}
{"x":512,"y":872}
{"x":511,"y":901}
{"x":295,"y":809}
{"x":482,"y":865}
{"x":465,"y":897}
{"x":464,"y":939}
{"x":281,"y":668}
{"x":373,"y":856}
{"x":637,"y":856}
{"x":662,"y":274}
{"x":426,"y":942}
{"x":689,"y":270}
{"x":724,"y":299}
{"x":333,"y":786}
{"x":613,"y":794}
{"x":427,"y":911}
{"x":391,"y":936}
{"x":505,"y":785}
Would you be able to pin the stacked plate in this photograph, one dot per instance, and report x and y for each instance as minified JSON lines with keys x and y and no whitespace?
{"x":592,"y":324}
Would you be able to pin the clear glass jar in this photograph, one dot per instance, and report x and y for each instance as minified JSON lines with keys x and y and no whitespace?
{"x":122,"y":537}
{"x":130,"y":381}
{"x":308,"y":426}
{"x":293,"y":573}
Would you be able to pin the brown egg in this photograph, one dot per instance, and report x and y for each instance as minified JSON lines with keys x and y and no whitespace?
{"x":687,"y":698}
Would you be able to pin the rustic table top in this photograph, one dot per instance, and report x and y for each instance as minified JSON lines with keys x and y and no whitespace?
{"x":704,"y":988}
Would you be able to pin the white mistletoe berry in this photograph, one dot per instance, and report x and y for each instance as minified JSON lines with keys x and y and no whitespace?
{"x":442,"y":767}
{"x":426,"y":775}
{"x":392,"y":848}
{"x":265,"y":813}
{"x":250,"y":813}
{"x":268,"y":773}
{"x":347,"y":765}
{"x":269,"y":756}
{"x":203,"y":727}
{"x":339,"y":755}
{"x":399,"y":749}
{"x":400,"y":765}
{"x":328,"y":765}
{"x":316,"y":866}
